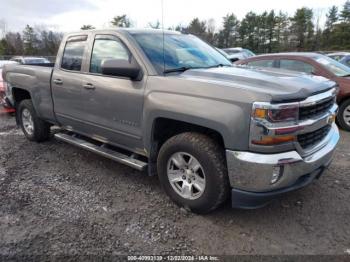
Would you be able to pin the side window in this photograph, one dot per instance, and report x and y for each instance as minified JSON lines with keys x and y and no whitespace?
{"x":106,"y":49}
{"x":262,"y":63}
{"x":295,"y":65}
{"x":73,"y":55}
{"x":346,"y":61}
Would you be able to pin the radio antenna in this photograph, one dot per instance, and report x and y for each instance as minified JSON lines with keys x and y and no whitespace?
{"x":162,"y":1}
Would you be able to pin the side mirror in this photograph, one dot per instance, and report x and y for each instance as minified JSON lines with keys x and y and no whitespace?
{"x":123,"y":68}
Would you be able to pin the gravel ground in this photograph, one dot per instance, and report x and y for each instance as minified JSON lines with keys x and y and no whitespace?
{"x":60,"y":200}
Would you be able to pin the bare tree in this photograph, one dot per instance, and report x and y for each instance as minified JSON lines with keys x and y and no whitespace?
{"x":155,"y":25}
{"x":3,"y":28}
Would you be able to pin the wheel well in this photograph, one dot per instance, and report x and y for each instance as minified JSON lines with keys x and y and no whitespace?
{"x":164,"y":128}
{"x":20,"y":94}
{"x":343,"y":100}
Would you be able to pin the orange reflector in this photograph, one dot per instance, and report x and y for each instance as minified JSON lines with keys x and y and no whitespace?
{"x":268,"y":140}
{"x":260,"y":113}
{"x":331,"y":119}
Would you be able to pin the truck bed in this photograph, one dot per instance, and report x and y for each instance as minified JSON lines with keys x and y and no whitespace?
{"x":36,"y":79}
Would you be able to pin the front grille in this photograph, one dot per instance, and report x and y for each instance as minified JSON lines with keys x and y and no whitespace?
{"x":313,"y":138}
{"x":308,"y":112}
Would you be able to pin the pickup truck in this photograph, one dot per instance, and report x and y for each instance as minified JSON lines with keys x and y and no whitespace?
{"x":172,"y":105}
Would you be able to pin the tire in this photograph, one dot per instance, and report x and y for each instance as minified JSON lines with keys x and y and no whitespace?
{"x":40,"y":130}
{"x":212,"y":172}
{"x":343,"y":117}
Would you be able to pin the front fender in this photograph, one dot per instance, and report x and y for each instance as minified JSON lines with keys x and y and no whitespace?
{"x":228,"y":119}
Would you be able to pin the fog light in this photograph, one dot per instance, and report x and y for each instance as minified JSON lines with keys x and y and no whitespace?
{"x":277,"y":172}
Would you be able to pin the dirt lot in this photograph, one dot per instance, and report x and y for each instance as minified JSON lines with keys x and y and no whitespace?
{"x":58,"y":199}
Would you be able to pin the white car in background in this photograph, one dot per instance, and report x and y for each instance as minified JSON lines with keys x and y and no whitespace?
{"x":341,"y":57}
{"x":30,"y":60}
{"x":237,"y":53}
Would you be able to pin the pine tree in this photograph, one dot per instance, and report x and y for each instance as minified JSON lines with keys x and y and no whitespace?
{"x":345,"y":13}
{"x":229,"y":34}
{"x":332,"y":18}
{"x":87,"y":27}
{"x":197,"y":28}
{"x":121,"y":21}
{"x":248,"y":29}
{"x":30,"y":41}
{"x":328,"y":33}
{"x":302,"y":28}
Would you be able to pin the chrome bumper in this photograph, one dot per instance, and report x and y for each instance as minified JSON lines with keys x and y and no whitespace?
{"x":253,"y":172}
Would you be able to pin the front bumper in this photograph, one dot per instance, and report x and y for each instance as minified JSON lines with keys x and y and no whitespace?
{"x":250,"y":174}
{"x":6,"y":104}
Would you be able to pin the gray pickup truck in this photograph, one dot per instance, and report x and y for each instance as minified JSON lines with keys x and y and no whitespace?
{"x":171,"y":104}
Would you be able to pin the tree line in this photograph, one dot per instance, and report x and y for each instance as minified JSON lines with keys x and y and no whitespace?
{"x":262,"y":33}
{"x":32,"y":41}
{"x":276,"y":32}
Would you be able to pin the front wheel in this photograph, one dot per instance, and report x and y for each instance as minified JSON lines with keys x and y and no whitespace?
{"x":343,"y":117}
{"x":192,"y":171}
{"x":34,"y":128}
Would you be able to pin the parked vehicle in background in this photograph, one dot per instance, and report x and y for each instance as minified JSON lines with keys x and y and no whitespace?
{"x":338,"y":55}
{"x":30,"y":60}
{"x":223,"y":53}
{"x":180,"y":109}
{"x":4,"y":105}
{"x":315,"y":64}
{"x":237,"y":53}
{"x":342,"y":57}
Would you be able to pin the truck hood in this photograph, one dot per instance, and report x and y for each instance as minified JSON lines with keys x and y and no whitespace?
{"x":280,"y":85}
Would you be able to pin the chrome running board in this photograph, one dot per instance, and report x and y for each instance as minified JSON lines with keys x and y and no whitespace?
{"x":102,"y":150}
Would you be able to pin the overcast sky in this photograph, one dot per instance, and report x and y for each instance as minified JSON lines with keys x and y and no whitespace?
{"x":70,"y":15}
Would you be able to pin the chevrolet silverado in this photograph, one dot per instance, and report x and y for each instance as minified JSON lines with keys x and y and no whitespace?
{"x":171,"y":104}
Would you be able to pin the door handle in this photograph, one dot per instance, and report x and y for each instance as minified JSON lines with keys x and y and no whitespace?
{"x":58,"y":81}
{"x":89,"y":86}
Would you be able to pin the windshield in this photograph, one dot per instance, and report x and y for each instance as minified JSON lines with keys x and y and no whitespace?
{"x":334,"y":66}
{"x":180,"y":51}
{"x":249,"y":53}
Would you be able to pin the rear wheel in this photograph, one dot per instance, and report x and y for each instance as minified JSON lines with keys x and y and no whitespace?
{"x":34,"y":128}
{"x":192,"y":171}
{"x":344,"y":115}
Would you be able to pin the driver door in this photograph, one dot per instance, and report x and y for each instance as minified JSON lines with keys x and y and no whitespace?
{"x":113,"y":106}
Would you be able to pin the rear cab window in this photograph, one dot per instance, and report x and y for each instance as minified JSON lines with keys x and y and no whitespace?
{"x":73,"y":53}
{"x":262,"y":63}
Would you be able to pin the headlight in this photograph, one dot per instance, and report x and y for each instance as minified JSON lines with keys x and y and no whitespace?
{"x":265,"y":115}
{"x":277,"y":115}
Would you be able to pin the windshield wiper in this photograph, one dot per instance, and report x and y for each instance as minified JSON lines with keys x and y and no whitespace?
{"x":179,"y":69}
{"x":185,"y":68}
{"x":218,"y":65}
